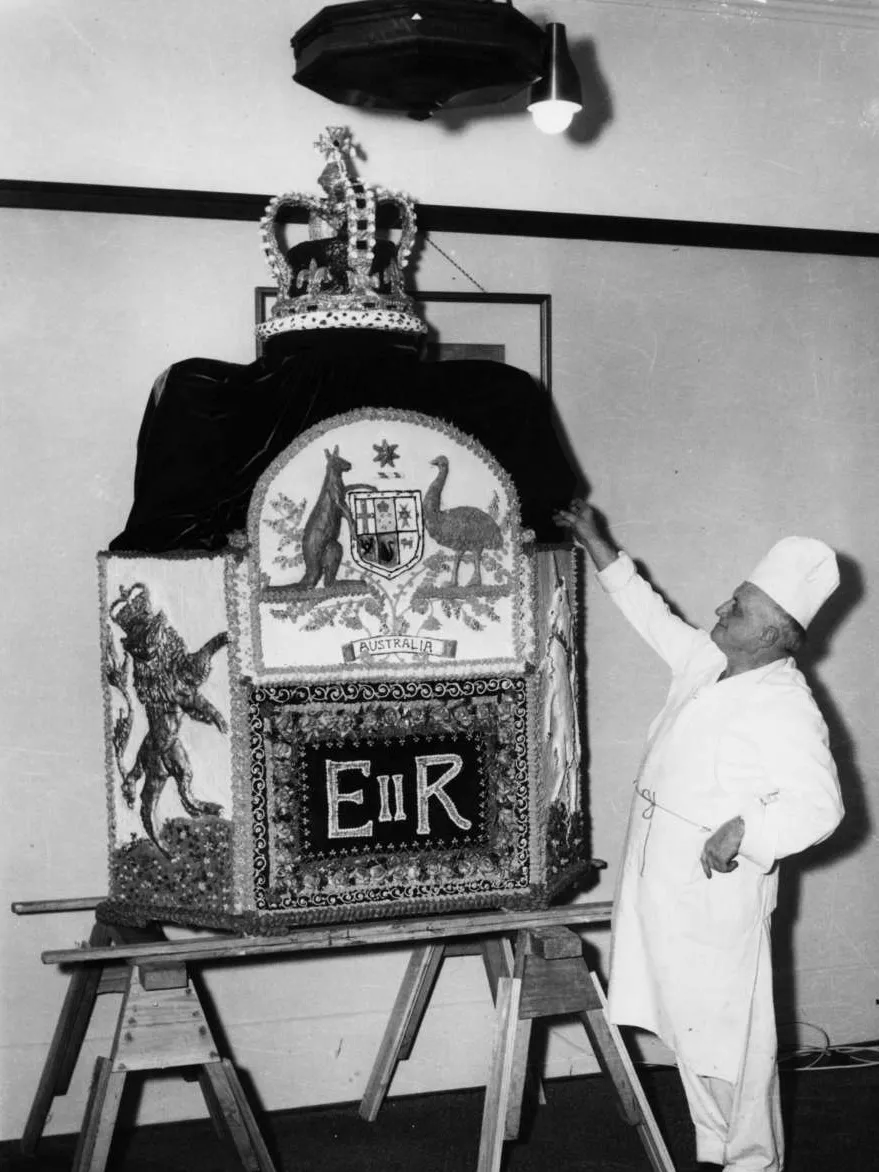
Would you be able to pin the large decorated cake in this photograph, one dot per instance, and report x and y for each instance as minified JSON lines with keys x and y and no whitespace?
{"x":364,"y":703}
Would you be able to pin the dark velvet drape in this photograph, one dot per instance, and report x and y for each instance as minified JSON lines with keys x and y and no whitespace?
{"x":211,"y":428}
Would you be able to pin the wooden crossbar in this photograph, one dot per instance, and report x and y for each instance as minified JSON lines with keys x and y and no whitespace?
{"x":374,"y":932}
{"x":41,"y":907}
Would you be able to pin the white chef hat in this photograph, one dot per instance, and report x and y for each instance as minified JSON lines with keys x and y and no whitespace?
{"x":800,"y":574}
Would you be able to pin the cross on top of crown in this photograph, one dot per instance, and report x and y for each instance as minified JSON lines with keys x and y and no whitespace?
{"x":335,"y":141}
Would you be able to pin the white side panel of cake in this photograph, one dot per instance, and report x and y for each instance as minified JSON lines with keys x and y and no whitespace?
{"x":168,"y":711}
{"x":558,"y":819}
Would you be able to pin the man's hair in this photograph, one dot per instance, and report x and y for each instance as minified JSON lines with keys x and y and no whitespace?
{"x":791,"y":635}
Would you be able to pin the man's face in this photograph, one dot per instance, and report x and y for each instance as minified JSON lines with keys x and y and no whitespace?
{"x":742,"y":619}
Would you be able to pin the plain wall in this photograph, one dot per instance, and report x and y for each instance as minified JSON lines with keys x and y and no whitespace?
{"x":727,"y":110}
{"x":716,"y":401}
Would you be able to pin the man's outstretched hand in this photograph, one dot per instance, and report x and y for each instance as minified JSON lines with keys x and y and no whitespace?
{"x":587,"y":530}
{"x":719,"y":851}
{"x":580,"y":518}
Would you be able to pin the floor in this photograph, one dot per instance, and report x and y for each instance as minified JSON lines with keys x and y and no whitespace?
{"x":832,"y":1118}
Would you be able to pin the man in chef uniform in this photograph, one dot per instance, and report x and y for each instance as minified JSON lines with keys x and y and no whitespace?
{"x":736,"y":775}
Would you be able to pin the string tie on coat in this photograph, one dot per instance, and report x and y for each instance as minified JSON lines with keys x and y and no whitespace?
{"x":652,"y":806}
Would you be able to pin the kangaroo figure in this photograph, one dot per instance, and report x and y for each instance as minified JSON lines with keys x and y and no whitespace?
{"x":321,"y":548}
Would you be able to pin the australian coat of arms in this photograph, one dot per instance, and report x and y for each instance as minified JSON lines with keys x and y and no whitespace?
{"x":385,"y":539}
{"x":388,"y":533}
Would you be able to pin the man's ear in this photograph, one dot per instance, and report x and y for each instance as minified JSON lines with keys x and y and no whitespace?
{"x":769,"y":636}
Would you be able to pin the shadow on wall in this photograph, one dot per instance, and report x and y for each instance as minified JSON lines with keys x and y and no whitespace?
{"x":855,"y":828}
{"x":597,"y":109}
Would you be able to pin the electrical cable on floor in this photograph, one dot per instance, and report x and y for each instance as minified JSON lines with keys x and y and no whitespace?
{"x":816,"y":1058}
{"x":825,"y":1056}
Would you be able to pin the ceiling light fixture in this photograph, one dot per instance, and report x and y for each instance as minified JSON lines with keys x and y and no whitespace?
{"x":557,"y":96}
{"x":416,"y":56}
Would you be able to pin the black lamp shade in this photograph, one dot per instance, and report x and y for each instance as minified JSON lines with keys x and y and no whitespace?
{"x":415,"y":57}
{"x":559,"y":81}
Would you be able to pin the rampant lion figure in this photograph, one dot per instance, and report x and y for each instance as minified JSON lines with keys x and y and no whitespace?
{"x":166,"y":680}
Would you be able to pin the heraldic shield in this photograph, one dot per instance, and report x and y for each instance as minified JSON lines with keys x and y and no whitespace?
{"x":388,"y":533}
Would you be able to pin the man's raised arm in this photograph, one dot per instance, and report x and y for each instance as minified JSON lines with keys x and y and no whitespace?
{"x":669,"y":636}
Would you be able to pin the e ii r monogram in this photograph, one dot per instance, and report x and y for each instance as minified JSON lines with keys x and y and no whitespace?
{"x":425,"y":789}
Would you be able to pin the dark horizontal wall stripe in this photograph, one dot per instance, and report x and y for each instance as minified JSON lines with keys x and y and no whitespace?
{"x":131,"y":201}
{"x":222,"y":205}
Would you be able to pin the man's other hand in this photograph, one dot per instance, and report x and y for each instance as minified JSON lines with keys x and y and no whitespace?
{"x":721,"y":848}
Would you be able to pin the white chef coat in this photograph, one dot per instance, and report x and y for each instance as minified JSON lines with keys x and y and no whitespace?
{"x":685,"y":949}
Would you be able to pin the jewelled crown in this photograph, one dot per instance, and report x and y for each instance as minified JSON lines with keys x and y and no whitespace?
{"x":132,"y":607}
{"x":343,"y":276}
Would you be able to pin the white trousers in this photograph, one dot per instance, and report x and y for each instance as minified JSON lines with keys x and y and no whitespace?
{"x":738,"y":1125}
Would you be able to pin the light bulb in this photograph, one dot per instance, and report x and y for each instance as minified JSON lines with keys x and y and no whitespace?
{"x":553,"y":116}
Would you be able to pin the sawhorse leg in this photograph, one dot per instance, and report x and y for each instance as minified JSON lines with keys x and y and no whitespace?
{"x":550,"y":978}
{"x":613,"y":1057}
{"x":87,"y":983}
{"x":411,"y":1005}
{"x":399,"y":1035}
{"x":161,"y":1025}
{"x":93,"y":1146}
{"x":231,"y":1114}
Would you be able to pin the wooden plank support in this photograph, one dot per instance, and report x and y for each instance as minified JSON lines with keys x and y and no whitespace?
{"x":613,"y":1057}
{"x":399,"y":1035}
{"x":497,"y":956}
{"x":161,"y":975}
{"x":84,"y":986}
{"x":162,"y":1025}
{"x":497,"y":959}
{"x":93,"y":1146}
{"x":373,"y":933}
{"x":430,"y":959}
{"x":551,"y":978}
{"x":500,"y":1079}
{"x":553,"y":943}
{"x":87,"y":983}
{"x":232,"y":1115}
{"x":41,"y":907}
{"x":113,"y":977}
{"x":411,"y":1005}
